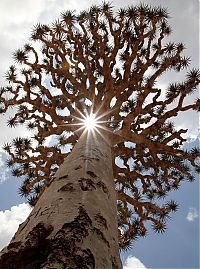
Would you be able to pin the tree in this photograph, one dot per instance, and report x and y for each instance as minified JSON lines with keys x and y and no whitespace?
{"x":95,"y":191}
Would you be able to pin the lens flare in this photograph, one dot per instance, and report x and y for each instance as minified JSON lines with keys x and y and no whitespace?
{"x":90,"y":122}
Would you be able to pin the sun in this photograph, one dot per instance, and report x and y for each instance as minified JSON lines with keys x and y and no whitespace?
{"x":90,"y":122}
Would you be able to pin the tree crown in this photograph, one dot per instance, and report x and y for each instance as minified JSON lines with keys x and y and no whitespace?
{"x":108,"y":64}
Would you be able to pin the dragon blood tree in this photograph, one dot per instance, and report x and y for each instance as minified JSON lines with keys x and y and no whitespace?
{"x":95,"y":189}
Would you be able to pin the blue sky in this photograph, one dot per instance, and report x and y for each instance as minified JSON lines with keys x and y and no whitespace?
{"x":179,"y":246}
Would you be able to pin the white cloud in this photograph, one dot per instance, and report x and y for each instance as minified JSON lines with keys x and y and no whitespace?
{"x":4,"y":171}
{"x":10,"y":220}
{"x":133,"y":263}
{"x":18,"y":11}
{"x":192,"y":214}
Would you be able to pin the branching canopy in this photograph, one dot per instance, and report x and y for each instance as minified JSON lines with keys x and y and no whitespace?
{"x":109,"y":63}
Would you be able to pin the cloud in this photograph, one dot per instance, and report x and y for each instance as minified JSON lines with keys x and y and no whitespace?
{"x":4,"y":171}
{"x":133,"y":263}
{"x":10,"y":220}
{"x":17,"y":11}
{"x":192,"y":214}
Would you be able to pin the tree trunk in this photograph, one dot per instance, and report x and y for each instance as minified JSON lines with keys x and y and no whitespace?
{"x":74,"y":223}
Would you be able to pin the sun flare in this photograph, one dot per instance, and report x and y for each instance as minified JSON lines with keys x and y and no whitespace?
{"x":90,"y":122}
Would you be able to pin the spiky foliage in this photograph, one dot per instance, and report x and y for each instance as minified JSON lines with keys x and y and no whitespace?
{"x":105,"y":58}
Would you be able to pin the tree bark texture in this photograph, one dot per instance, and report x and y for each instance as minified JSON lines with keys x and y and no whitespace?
{"x":74,"y":223}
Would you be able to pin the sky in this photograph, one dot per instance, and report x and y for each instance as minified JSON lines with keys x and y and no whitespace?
{"x":178,"y":247}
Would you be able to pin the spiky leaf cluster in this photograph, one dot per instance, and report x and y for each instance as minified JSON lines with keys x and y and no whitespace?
{"x":113,"y":61}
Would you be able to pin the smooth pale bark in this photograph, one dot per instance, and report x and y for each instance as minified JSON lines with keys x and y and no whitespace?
{"x":74,"y":223}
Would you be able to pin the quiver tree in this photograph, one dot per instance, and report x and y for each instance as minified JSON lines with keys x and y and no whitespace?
{"x":107,"y":65}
